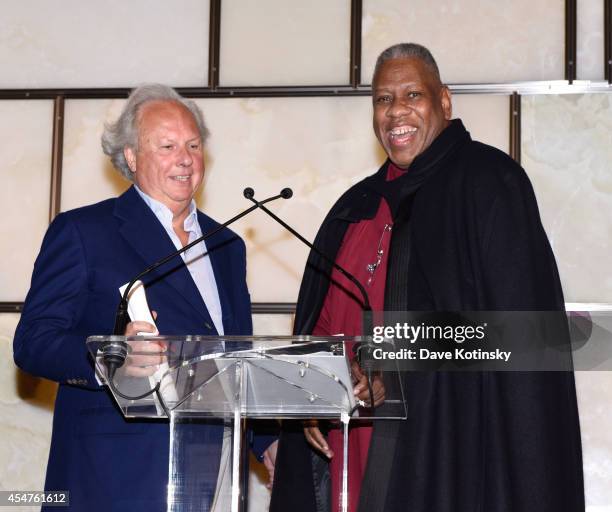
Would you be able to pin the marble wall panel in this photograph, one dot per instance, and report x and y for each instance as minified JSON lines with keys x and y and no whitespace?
{"x":272,"y":324}
{"x":589,"y":40}
{"x":474,"y":41}
{"x":486,"y":117}
{"x":274,"y":42}
{"x":25,"y":153}
{"x":316,"y":146}
{"x":594,"y":398}
{"x":567,"y":152}
{"x":88,"y":175}
{"x":108,"y":43}
{"x":26,"y":411}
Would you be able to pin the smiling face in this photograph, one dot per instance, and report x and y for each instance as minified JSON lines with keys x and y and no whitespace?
{"x":168,"y":164}
{"x":411,"y":108}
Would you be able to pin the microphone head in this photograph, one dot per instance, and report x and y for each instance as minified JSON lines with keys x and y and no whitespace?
{"x":249,"y":193}
{"x":286,"y":193}
{"x":115,"y":352}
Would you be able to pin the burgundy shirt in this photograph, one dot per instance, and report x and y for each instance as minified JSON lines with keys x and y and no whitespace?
{"x":342,"y":314}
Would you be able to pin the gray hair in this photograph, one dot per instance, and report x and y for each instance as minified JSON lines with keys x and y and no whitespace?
{"x":124,"y":132}
{"x":408,"y":51}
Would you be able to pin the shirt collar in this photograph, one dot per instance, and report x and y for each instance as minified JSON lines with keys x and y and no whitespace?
{"x":165,"y":215}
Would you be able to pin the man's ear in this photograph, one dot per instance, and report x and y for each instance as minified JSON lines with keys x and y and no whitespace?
{"x":445,"y":101}
{"x":130,"y":157}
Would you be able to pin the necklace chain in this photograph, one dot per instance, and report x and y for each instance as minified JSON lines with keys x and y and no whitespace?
{"x":372,"y":267}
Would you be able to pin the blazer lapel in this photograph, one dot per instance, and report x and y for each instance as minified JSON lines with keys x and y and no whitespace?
{"x":144,"y":233}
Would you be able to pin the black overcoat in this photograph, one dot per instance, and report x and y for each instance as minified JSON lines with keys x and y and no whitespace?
{"x":478,"y":441}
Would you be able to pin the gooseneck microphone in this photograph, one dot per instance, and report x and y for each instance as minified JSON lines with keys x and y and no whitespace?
{"x":286,"y":193}
{"x":364,"y":362}
{"x":115,"y":352}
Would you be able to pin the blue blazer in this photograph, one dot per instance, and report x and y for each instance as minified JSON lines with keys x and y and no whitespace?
{"x":107,"y":462}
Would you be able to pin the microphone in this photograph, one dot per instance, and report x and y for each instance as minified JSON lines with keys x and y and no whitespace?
{"x":114,"y":353}
{"x":287,"y":193}
{"x":249,"y":193}
{"x":364,"y":362}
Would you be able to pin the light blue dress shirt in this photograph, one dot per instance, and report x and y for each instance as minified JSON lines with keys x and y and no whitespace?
{"x":196,"y":258}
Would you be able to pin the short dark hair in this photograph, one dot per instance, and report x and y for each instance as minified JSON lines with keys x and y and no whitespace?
{"x":406,"y":51}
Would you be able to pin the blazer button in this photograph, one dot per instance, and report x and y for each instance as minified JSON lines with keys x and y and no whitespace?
{"x":208,"y":326}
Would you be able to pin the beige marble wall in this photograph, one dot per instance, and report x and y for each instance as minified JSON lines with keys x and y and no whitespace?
{"x":272,"y":324}
{"x":87,"y":174}
{"x":594,"y":400}
{"x":283,"y":142}
{"x":26,"y":406}
{"x":472,"y":40}
{"x":107,"y":43}
{"x":485,"y":116}
{"x":275,"y":42}
{"x":567,"y":152}
{"x":589,"y":40}
{"x":25,"y":153}
{"x":302,"y":143}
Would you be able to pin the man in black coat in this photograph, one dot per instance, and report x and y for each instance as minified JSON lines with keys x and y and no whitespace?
{"x":467,"y":236}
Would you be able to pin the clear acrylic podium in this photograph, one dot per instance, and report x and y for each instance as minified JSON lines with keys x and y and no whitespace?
{"x":208,"y":386}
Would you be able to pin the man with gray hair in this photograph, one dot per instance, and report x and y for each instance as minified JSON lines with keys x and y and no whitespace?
{"x":104,"y":461}
{"x":446,"y":224}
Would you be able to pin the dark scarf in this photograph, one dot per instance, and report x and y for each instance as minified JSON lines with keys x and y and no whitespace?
{"x":422,"y":167}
